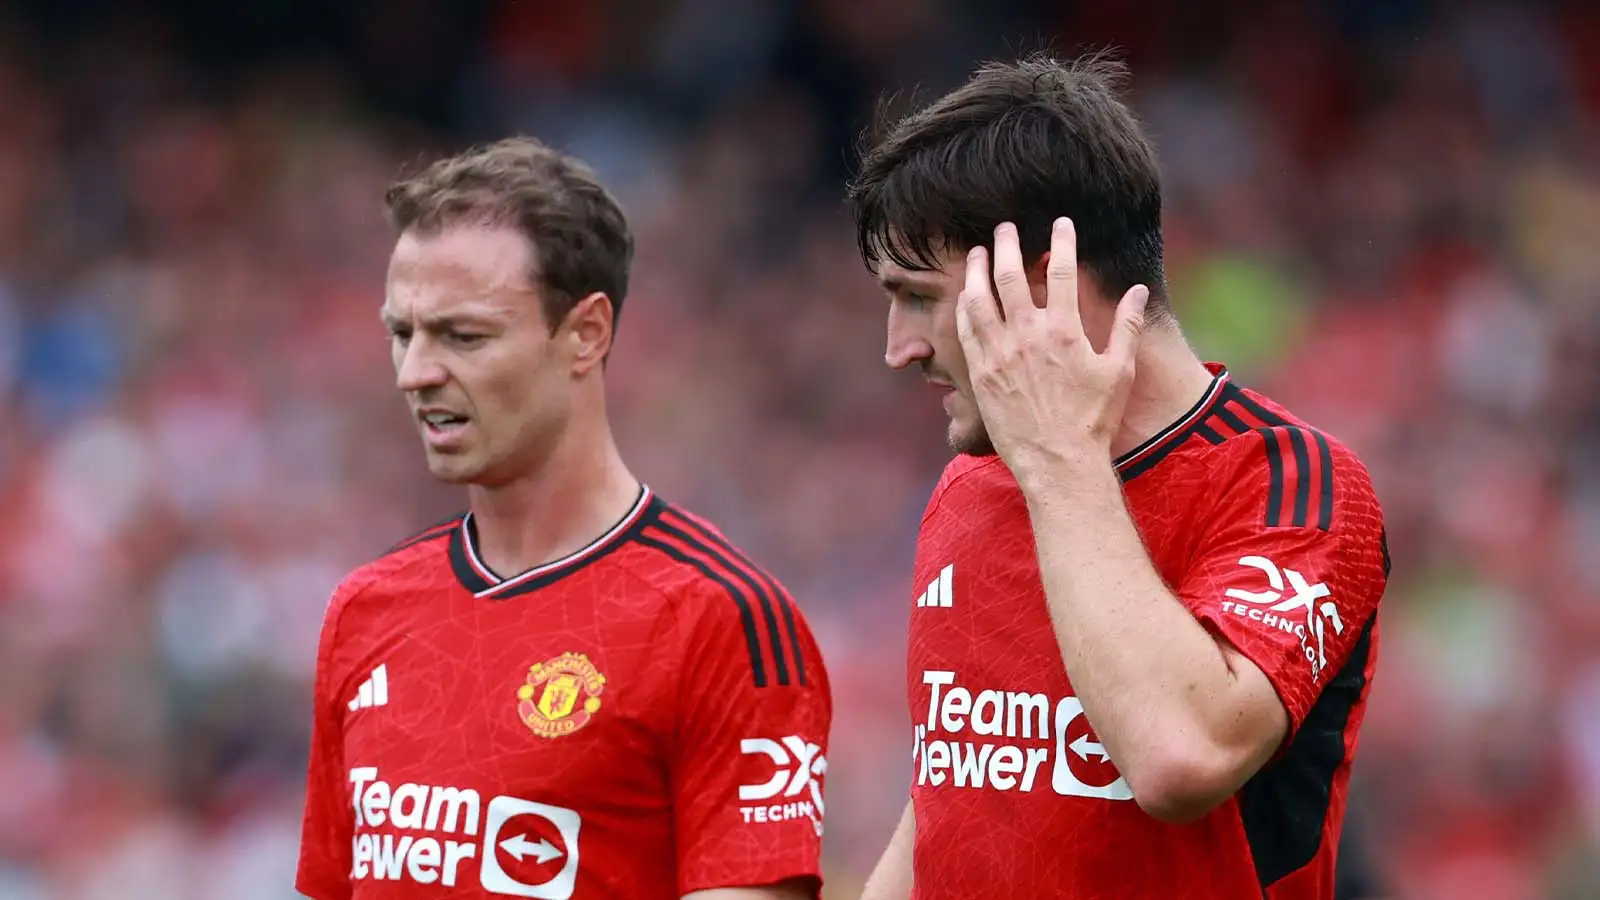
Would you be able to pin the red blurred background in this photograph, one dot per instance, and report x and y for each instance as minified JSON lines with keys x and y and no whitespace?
{"x":1382,"y":212}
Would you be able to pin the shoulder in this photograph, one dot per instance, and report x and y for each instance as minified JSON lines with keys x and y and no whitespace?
{"x":972,"y":471}
{"x":1287,"y":471}
{"x":369,"y":587}
{"x":416,"y":555}
{"x":719,"y":596}
{"x":967,"y":479}
{"x":692,"y":561}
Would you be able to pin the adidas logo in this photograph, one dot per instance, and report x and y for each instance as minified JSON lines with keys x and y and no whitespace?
{"x":374,"y":691}
{"x":938,"y":592}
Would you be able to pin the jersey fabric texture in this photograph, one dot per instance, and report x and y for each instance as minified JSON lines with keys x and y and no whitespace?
{"x":1270,"y":533}
{"x":642,"y":719}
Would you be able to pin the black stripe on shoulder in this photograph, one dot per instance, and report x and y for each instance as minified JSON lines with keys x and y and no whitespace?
{"x":1208,"y":433}
{"x":1312,"y":493}
{"x":1383,"y":544}
{"x":776,"y":590}
{"x":1302,"y":480}
{"x":1267,"y":416}
{"x":758,"y":667}
{"x":1274,"y":477}
{"x":715,"y":554}
{"x":1229,"y":417}
{"x":1325,"y":461}
{"x":436,"y":530}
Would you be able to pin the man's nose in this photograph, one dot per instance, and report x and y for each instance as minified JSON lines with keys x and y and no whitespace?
{"x":417,"y":369}
{"x":905,"y":344}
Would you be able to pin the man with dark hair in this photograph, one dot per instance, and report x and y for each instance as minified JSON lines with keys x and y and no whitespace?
{"x":576,"y":689}
{"x":1144,"y":623}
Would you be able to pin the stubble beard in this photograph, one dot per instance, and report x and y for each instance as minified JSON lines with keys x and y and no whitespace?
{"x":974,"y":442}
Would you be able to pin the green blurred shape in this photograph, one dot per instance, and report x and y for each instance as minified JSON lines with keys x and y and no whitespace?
{"x":1241,"y":310}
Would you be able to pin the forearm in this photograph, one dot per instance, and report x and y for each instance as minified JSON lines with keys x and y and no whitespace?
{"x":1154,"y":683}
{"x":891,"y":879}
{"x":789,"y":890}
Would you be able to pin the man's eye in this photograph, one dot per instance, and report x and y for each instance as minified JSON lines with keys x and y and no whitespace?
{"x":466,"y":339}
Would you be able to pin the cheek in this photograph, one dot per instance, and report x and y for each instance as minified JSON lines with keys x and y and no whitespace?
{"x":530,"y":389}
{"x":505,"y":385}
{"x":947,"y":349}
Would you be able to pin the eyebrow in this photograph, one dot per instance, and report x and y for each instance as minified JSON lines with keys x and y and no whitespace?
{"x":897,"y":283}
{"x":440,"y":322}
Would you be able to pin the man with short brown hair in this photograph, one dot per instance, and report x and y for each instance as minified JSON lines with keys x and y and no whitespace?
{"x":575,"y":689}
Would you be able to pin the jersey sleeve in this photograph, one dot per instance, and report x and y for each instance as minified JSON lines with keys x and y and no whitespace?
{"x":1291,"y":561}
{"x":327,"y":823}
{"x":751,"y":750}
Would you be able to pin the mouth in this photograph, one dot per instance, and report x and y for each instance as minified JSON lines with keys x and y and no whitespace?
{"x":442,"y":425}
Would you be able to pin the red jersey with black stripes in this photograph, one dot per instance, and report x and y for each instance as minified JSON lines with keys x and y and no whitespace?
{"x":644,"y":718}
{"x":1268,"y":530}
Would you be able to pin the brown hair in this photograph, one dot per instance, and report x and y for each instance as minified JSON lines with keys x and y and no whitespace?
{"x":1024,"y":142}
{"x":579,"y":236}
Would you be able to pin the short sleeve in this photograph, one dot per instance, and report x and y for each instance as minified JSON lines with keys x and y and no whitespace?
{"x":327,"y":823}
{"x":1291,"y":561}
{"x":751,"y":753}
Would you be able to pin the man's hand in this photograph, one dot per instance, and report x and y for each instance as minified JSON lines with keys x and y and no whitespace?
{"x":1043,"y":391}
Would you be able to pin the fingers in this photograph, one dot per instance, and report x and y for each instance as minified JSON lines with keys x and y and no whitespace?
{"x":1061,"y":276}
{"x":976,"y":312}
{"x":1129,"y":324}
{"x":1011,"y":273}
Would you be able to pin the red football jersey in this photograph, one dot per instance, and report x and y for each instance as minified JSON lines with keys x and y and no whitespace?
{"x":644,"y":718}
{"x":1269,"y":532}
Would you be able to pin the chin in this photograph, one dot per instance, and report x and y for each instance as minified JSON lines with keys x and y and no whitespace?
{"x":453,"y":469}
{"x":971,"y":439}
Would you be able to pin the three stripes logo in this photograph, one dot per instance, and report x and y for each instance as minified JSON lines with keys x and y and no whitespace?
{"x":374,"y":691}
{"x":1299,"y":460}
{"x":1290,"y":469}
{"x":938,"y":593}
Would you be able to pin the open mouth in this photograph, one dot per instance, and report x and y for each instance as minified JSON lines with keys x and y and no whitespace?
{"x":441,"y":424}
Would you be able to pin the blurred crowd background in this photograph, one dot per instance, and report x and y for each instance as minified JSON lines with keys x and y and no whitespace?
{"x":1385,"y":213}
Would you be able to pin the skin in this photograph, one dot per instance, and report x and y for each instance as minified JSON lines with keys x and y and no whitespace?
{"x":531,"y":442}
{"x":1187,"y":717}
{"x":1047,"y":371}
{"x":469,"y":337}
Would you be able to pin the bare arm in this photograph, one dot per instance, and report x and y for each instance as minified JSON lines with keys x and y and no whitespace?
{"x":1185,"y":716}
{"x":789,"y":890}
{"x":891,"y":878}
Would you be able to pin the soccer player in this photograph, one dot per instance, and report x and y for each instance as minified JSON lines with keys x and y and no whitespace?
{"x":1143,"y":626}
{"x":576,"y":689}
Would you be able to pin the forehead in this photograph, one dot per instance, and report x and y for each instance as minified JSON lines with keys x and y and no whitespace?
{"x":461,"y":266}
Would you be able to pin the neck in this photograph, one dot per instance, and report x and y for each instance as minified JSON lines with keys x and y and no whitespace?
{"x":1169,"y":380}
{"x":577,"y":493}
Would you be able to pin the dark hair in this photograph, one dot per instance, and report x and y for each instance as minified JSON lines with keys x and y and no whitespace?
{"x":579,"y":236}
{"x":1025,"y":142}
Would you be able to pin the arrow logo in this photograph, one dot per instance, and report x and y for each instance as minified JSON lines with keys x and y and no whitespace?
{"x":519,"y":846}
{"x":1086,"y":748}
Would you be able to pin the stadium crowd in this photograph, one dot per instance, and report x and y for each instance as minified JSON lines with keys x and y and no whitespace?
{"x":1383,"y":214}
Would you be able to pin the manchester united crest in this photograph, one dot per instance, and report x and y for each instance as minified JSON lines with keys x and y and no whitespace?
{"x":560,"y":696}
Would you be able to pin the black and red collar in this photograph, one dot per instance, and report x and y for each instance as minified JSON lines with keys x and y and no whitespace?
{"x":485,"y":583}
